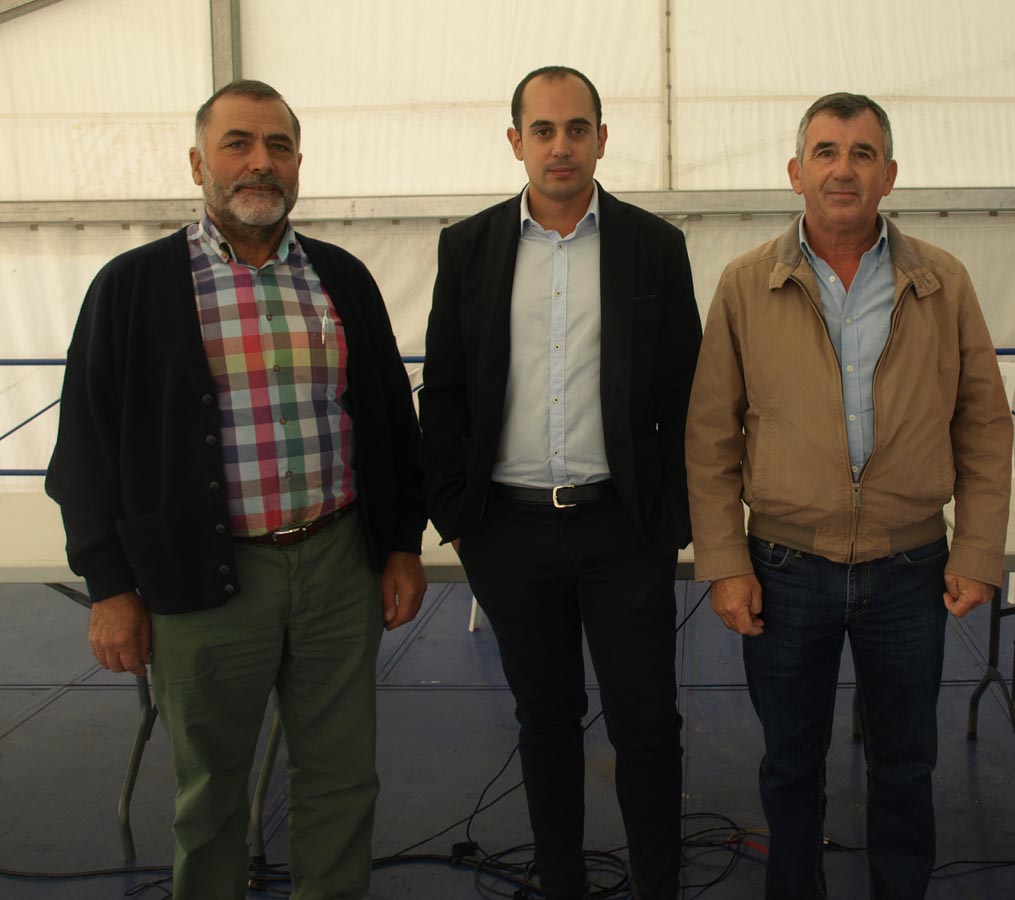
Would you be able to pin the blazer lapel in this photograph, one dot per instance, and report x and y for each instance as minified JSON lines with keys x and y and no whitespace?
{"x":617,"y":253}
{"x":498,"y":261}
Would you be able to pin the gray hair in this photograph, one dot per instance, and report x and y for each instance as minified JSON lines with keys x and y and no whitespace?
{"x":243,"y":87}
{"x":844,"y":106}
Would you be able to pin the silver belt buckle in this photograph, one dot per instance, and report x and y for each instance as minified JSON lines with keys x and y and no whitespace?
{"x":556,"y":503}
{"x":285,"y":532}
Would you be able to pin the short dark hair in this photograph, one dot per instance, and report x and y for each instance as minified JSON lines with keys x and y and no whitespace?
{"x":242,"y":87}
{"x":844,"y":106}
{"x":552,"y":72}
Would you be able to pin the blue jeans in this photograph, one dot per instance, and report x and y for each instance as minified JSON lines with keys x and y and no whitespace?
{"x":893,"y":612}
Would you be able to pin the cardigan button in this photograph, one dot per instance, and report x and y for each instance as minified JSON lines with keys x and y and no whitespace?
{"x":220,"y":528}
{"x":228,"y":590}
{"x":207,"y":399}
{"x":210,"y":440}
{"x":223,"y":570}
{"x":214,"y":486}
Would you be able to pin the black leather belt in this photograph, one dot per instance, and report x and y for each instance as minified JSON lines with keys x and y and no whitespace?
{"x":562,"y":496}
{"x":286,"y":537}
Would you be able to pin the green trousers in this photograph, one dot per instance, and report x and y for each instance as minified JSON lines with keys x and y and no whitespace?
{"x":308,"y":623}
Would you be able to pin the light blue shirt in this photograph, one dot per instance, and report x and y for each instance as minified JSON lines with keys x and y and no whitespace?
{"x":858,"y":325}
{"x":553,"y":421}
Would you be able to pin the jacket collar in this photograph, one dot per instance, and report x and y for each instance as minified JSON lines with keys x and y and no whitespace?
{"x":791,"y":262}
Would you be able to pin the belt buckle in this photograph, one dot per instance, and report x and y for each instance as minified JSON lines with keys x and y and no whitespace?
{"x":556,"y":503}
{"x":285,"y":533}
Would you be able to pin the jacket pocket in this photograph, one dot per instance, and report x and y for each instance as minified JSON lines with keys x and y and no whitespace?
{"x":152,"y":546}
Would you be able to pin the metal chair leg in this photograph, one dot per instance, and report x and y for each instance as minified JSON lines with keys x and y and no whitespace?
{"x":146,"y":722}
{"x":857,"y":716}
{"x":257,"y":853}
{"x":992,"y":673}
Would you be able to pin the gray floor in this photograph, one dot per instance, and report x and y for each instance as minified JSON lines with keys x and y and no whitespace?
{"x":446,"y":728}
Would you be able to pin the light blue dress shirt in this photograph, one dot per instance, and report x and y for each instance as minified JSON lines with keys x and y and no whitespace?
{"x":858,"y":325}
{"x":553,"y":422}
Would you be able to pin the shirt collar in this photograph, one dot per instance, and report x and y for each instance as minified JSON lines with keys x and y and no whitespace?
{"x":214,"y":243}
{"x":880,"y":246}
{"x":589,"y":220}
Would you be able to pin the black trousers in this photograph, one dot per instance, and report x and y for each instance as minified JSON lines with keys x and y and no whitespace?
{"x":540,"y":575}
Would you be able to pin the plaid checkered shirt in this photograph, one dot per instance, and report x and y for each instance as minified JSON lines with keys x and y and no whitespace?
{"x":276,"y":349}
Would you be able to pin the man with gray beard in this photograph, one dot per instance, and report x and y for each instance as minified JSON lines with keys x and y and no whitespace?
{"x":236,"y":468}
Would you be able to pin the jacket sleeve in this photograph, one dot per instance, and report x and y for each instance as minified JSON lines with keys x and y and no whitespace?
{"x":716,"y":447}
{"x":84,"y":472}
{"x":981,"y":436}
{"x":409,"y":518}
{"x":682,"y":338}
{"x":443,"y":400}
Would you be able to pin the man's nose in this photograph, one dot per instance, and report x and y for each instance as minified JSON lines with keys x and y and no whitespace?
{"x":561,"y":146}
{"x":259,"y":159}
{"x":843,"y":167}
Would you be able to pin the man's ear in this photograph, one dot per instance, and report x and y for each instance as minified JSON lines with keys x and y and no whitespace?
{"x":793,"y":170}
{"x":195,"y":165}
{"x":515,"y":140}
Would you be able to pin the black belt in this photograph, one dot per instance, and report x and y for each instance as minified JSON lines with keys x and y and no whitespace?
{"x":286,"y":537}
{"x":562,"y":496}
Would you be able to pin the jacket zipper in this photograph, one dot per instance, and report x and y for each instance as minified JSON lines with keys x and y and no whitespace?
{"x":891,"y":333}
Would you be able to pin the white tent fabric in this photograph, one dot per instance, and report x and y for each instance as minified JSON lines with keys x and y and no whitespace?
{"x":409,"y":99}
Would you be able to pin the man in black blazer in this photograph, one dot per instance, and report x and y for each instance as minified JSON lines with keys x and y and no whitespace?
{"x":559,"y":357}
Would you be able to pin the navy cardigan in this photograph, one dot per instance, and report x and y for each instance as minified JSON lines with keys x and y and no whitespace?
{"x":137,"y":469}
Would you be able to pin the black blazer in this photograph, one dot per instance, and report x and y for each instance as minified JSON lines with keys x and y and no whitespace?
{"x":650,"y":337}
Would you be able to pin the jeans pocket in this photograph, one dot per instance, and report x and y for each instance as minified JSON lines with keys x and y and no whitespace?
{"x":769,"y":554}
{"x":929,"y":554}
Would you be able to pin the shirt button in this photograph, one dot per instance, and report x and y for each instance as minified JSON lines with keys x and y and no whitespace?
{"x":856,"y":468}
{"x":276,"y":368}
{"x":852,"y":418}
{"x":556,"y":399}
{"x":556,"y":346}
{"x":556,"y":453}
{"x":849,"y":321}
{"x":849,"y":368}
{"x":281,"y":421}
{"x":831,"y":279}
{"x":268,"y":317}
{"x":288,"y":473}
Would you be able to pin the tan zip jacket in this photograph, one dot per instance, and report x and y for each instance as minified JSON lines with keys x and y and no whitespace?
{"x":766,"y":423}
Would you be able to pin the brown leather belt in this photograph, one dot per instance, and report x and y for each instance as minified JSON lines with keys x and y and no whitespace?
{"x":562,"y":496}
{"x":286,"y":537}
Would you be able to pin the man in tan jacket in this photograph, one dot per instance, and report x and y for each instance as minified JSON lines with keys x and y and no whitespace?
{"x":847,"y":389}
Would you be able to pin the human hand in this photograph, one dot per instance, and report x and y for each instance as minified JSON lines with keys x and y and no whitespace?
{"x":737,"y":601}
{"x":964,"y":594}
{"x":403,"y":585}
{"x":120,"y":632}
